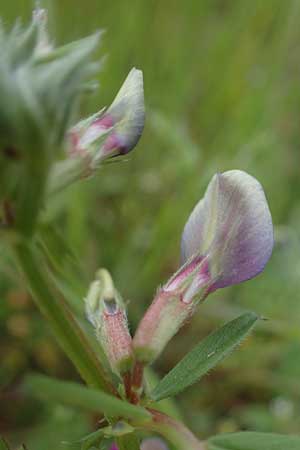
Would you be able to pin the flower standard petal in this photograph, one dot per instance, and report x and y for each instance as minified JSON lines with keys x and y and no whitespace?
{"x":232,"y":225}
{"x":128,"y":111}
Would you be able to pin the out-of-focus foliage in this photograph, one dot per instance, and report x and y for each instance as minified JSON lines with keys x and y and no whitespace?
{"x":222,"y":92}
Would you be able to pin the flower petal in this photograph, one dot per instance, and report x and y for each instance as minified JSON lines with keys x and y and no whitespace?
{"x":232,"y":224}
{"x":128,"y":110}
{"x":114,"y":131}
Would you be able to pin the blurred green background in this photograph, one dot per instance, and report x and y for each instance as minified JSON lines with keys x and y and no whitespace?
{"x":222,"y":88}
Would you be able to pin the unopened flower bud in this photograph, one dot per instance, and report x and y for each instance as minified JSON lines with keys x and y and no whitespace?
{"x":113,"y":131}
{"x":106,"y":311}
{"x":227,"y":239}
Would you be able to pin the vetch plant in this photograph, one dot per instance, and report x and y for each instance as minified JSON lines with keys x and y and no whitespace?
{"x":227,"y":239}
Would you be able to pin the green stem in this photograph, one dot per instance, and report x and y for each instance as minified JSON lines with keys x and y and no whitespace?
{"x":66,"y":172}
{"x":63,"y":324}
{"x":30,"y":192}
{"x":173,"y":431}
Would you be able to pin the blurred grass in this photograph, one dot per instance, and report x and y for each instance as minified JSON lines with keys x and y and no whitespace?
{"x":222,"y":91}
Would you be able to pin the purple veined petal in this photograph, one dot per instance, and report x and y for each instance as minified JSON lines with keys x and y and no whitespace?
{"x":198,"y":232}
{"x":232,"y":224}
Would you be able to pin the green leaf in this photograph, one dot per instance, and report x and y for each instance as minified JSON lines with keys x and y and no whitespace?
{"x":254,"y":441}
{"x":207,"y":354}
{"x":91,"y":439}
{"x":74,"y":394}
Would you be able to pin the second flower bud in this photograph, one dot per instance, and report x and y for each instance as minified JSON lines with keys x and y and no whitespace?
{"x":106,"y":311}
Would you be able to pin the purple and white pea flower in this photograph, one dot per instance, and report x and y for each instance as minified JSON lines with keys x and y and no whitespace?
{"x":227,"y":239}
{"x":113,"y":131}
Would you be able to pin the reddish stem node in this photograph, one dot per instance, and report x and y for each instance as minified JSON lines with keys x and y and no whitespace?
{"x":127,"y":384}
{"x":137,"y":377}
{"x":137,"y":382}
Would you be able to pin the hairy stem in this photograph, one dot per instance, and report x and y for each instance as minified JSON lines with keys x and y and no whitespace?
{"x":173,"y":431}
{"x":65,"y":173}
{"x":137,"y":381}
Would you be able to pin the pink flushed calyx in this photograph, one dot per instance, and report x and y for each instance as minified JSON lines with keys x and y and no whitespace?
{"x":107,"y":313}
{"x":118,"y":342}
{"x":164,"y":317}
{"x":172,"y":306}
